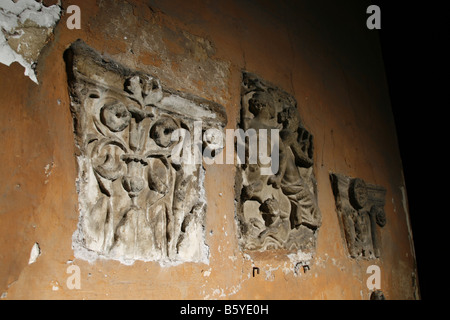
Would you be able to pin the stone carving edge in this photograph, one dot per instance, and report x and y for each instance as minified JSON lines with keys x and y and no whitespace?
{"x":84,"y":66}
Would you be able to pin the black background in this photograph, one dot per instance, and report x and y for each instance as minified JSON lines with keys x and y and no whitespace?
{"x":412,"y":38}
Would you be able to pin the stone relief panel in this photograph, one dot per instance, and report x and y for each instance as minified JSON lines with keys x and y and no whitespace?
{"x":360,"y":207}
{"x":136,"y":201}
{"x":278,"y":210}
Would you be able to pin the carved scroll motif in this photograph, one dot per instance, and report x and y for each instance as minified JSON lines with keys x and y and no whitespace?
{"x":135,"y":201}
{"x":360,"y":207}
{"x":279,"y":210}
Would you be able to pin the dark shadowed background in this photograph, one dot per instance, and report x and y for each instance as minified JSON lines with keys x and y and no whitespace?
{"x":412,"y":38}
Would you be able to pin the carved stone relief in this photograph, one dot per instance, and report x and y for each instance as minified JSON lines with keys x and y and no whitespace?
{"x":277,"y":210}
{"x":360,"y":207}
{"x":377,"y":295}
{"x":136,"y":202}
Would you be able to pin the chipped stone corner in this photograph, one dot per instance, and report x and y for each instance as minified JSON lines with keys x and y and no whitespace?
{"x":26,"y":27}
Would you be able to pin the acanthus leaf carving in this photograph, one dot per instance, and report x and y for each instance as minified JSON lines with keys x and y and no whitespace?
{"x":135,"y":202}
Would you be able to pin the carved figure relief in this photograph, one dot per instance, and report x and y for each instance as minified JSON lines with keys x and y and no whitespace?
{"x":277,"y":210}
{"x":360,"y":207}
{"x":136,"y":202}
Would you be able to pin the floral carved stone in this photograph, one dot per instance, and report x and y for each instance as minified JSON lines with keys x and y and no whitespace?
{"x":135,"y":201}
{"x":360,"y":207}
{"x":279,"y":210}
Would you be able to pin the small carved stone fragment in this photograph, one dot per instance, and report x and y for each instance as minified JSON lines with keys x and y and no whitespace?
{"x":360,"y":207}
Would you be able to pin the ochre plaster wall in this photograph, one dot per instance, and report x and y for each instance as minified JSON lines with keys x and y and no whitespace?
{"x":322,"y":54}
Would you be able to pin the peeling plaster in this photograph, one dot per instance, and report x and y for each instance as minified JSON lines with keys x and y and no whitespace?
{"x":300,"y":257}
{"x":35,"y":253}
{"x":55,"y":285}
{"x":48,"y":171}
{"x":25,"y":28}
{"x":267,"y":271}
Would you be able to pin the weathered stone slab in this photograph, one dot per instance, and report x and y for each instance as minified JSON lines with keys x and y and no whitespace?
{"x":277,"y":208}
{"x":135,"y":201}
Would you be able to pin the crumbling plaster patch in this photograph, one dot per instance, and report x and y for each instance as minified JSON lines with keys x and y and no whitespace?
{"x":268,"y":270}
{"x":26,"y":26}
{"x":35,"y":253}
